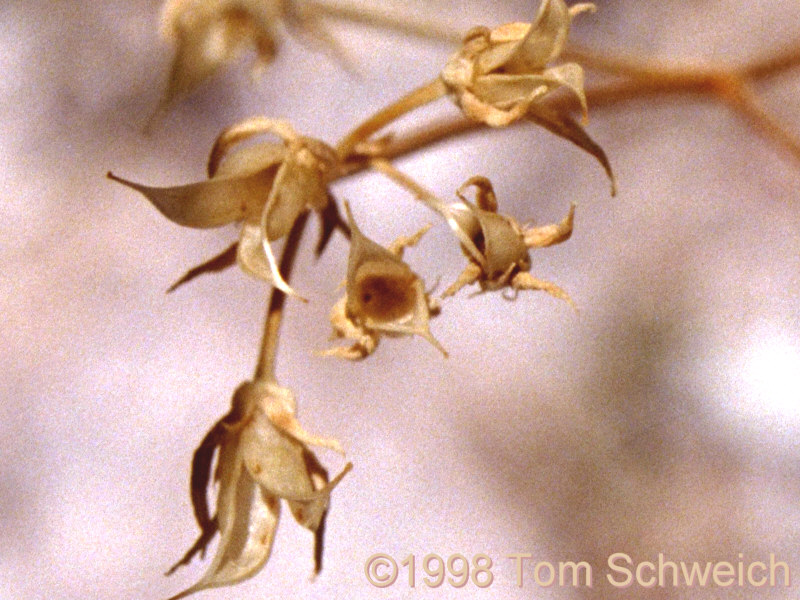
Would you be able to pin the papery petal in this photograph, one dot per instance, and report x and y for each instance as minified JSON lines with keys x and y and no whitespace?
{"x":289,"y":196}
{"x":275,"y":460}
{"x":503,"y":91}
{"x":246,"y":160}
{"x":544,"y":40}
{"x":502,"y":243}
{"x":248,"y":517}
{"x":255,"y":257}
{"x":209,"y":203}
{"x":250,"y":253}
{"x":570,"y":76}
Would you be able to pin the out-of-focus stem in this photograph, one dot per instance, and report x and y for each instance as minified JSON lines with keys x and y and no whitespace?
{"x":419,"y":97}
{"x":265,"y":368}
{"x":375,"y":17}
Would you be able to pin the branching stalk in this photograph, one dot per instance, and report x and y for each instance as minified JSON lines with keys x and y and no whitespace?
{"x":419,"y":97}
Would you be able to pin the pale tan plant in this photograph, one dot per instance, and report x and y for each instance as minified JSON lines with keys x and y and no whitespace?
{"x":497,"y":76}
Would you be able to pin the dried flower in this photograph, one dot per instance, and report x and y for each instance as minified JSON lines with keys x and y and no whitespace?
{"x":263,"y":458}
{"x":266,"y":186}
{"x":210,"y":33}
{"x":496,"y":245}
{"x":383,"y":296}
{"x":499,"y":74}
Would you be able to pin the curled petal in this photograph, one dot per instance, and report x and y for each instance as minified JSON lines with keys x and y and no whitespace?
{"x":244,"y":130}
{"x":497,"y":238}
{"x":526,"y":281}
{"x":547,"y":235}
{"x":247,"y":160}
{"x":250,"y":253}
{"x":570,"y":76}
{"x":504,"y":91}
{"x":471,"y":274}
{"x":289,"y":425}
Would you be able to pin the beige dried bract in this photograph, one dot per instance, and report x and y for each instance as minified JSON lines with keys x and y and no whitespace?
{"x":266,"y":186}
{"x":263,"y":458}
{"x":383,"y":297}
{"x":496,"y":245}
{"x":498,"y":75}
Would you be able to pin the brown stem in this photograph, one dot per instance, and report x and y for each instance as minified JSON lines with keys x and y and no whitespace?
{"x":265,"y":368}
{"x":419,"y":97}
{"x":774,"y":65}
{"x":741,"y":98}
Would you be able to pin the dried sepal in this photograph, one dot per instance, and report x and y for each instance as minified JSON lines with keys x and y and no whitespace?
{"x":497,"y":245}
{"x":383,"y":296}
{"x":211,"y":203}
{"x":498,"y":74}
{"x":263,"y":457}
{"x":563,"y":125}
{"x":220,"y":262}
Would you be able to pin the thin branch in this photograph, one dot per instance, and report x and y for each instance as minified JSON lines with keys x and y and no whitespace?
{"x":419,"y":97}
{"x":743,"y":99}
{"x":775,"y":64}
{"x":385,"y":19}
{"x":265,"y":368}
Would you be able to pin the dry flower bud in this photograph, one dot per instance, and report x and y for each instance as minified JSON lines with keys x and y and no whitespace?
{"x":496,"y":245}
{"x":383,"y":296}
{"x":498,"y":75}
{"x":266,"y":186}
{"x":263,"y":457}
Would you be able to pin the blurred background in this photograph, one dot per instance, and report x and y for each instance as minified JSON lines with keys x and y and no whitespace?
{"x":660,"y":417}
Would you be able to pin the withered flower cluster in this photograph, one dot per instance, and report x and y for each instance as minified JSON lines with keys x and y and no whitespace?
{"x":264,"y":176}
